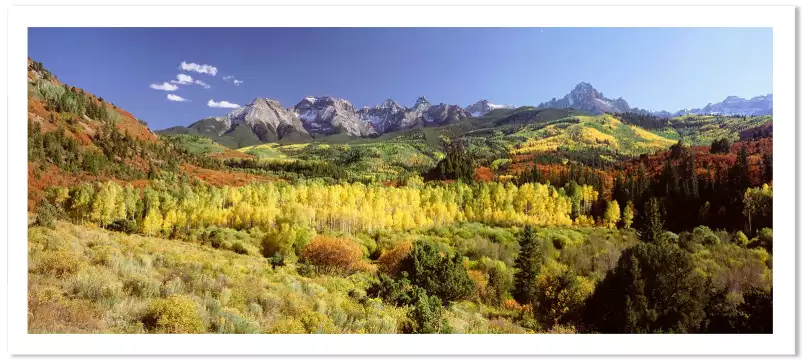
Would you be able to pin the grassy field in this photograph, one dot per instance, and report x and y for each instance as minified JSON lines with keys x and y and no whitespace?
{"x":198,"y":145}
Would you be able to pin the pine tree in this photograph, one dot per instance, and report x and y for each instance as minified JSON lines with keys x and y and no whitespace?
{"x":767,"y":163}
{"x":652,"y":225}
{"x":535,"y":175}
{"x":619,"y":192}
{"x":652,"y":289}
{"x":528,"y":264}
{"x":694,"y":188}
{"x":740,"y":172}
{"x":643,"y":184}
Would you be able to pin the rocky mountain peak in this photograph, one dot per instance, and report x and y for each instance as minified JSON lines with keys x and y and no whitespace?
{"x":422,"y":104}
{"x":391,"y":105}
{"x":586,"y":98}
{"x":328,"y":115}
{"x":484,"y":106}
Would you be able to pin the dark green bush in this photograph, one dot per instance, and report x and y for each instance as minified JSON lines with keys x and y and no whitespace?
{"x":427,"y":314}
{"x":440,"y":275}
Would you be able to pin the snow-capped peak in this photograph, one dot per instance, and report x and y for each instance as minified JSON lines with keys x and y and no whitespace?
{"x":483,"y":107}
{"x":390,"y":104}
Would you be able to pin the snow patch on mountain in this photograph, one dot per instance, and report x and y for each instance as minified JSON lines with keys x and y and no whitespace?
{"x":483,"y":107}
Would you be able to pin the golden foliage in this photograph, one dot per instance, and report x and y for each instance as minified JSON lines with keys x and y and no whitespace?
{"x":390,"y":260}
{"x":175,"y":314}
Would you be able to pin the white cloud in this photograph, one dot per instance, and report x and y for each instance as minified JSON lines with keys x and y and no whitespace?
{"x":164,"y":86}
{"x":175,"y":98}
{"x":203,"y":84}
{"x":200,"y":68}
{"x":221,"y":104}
{"x":182,"y":79}
{"x":231,"y":79}
{"x":186,"y":79}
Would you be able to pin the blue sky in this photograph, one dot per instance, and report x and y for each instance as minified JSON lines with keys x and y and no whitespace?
{"x":652,"y":68}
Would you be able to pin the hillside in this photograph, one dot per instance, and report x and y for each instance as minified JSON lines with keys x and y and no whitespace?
{"x":213,"y":129}
{"x":75,"y":136}
{"x":701,"y":130}
{"x":518,"y":134}
{"x":82,"y":115}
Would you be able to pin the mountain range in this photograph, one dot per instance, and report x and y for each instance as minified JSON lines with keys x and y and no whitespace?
{"x":733,"y":105}
{"x":266,"y":120}
{"x":585,"y":98}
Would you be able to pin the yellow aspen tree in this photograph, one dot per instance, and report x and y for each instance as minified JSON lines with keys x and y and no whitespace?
{"x":152,"y":222}
{"x":612,"y":214}
{"x":627,"y":215}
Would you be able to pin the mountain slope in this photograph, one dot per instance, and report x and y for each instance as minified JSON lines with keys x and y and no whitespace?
{"x":388,"y":116}
{"x":264,"y":120}
{"x":585,"y":98}
{"x":261,"y":120}
{"x":328,"y":115}
{"x":81,"y":114}
{"x":76,"y":137}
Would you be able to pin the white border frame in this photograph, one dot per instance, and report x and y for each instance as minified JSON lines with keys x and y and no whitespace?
{"x":780,"y":18}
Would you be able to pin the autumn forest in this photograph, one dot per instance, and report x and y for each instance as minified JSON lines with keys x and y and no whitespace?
{"x":522,"y":220}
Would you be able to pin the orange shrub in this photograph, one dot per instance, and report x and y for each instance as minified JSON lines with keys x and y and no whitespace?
{"x":390,"y":260}
{"x":333,"y":255}
{"x":512,"y":304}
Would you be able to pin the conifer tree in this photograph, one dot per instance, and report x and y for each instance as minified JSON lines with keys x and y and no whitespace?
{"x":652,"y":225}
{"x":528,"y":264}
{"x":740,"y":172}
{"x":767,"y":171}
